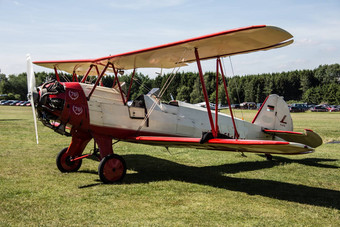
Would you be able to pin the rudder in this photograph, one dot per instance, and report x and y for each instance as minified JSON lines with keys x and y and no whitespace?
{"x":274,"y":114}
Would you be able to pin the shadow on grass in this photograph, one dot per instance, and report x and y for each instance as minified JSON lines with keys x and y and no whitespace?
{"x":151,"y":169}
{"x":88,"y":171}
{"x":315,"y":162}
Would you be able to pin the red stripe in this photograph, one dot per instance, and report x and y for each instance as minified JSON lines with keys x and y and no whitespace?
{"x":248,"y":142}
{"x":66,"y":61}
{"x":279,"y":131}
{"x":258,"y":112}
{"x":212,"y":141}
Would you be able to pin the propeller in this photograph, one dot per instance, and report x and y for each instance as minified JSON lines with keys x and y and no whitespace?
{"x":31,"y":87}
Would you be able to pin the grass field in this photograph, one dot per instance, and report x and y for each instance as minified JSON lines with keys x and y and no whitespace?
{"x":185,"y":187}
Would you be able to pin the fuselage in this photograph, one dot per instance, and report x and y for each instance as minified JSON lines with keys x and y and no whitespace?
{"x":103,"y":114}
{"x":107,"y":113}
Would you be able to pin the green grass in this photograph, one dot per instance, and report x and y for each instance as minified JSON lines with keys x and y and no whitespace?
{"x":185,"y":187}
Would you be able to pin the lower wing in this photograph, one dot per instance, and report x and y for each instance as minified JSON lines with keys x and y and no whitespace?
{"x":255,"y":146}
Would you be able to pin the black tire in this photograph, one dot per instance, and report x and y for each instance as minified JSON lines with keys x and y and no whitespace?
{"x":112,"y":169}
{"x":269,"y":157}
{"x":65,"y":165}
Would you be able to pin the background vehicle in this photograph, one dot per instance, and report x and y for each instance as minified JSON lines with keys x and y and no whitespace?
{"x":248,"y":105}
{"x":14,"y":102}
{"x":8,"y":102}
{"x":334,"y":109}
{"x":298,"y":107}
{"x":319,"y":108}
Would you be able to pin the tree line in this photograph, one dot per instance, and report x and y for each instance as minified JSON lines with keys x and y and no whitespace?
{"x":321,"y":85}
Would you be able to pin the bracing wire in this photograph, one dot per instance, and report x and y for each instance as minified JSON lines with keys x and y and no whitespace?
{"x":164,"y":88}
{"x":62,"y":75}
{"x":237,"y":88}
{"x":141,"y":84}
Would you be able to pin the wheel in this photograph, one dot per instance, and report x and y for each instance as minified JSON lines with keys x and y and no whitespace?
{"x":64,"y":164}
{"x":112,"y":169}
{"x":269,"y":157}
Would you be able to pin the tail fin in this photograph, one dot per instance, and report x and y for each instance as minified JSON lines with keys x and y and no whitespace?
{"x":274,"y":114}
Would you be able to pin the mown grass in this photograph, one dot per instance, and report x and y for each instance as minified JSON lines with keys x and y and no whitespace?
{"x":185,"y":187}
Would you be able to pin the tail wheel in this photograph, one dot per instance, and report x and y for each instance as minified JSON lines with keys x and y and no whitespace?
{"x":64,"y":163}
{"x":112,"y":169}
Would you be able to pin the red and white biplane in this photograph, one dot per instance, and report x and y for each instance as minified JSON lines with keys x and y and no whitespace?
{"x":85,"y":111}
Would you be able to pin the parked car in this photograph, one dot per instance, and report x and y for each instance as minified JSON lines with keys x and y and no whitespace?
{"x":235,"y":106}
{"x":7,"y":102}
{"x":248,"y":105}
{"x":14,"y":102}
{"x":319,"y":108}
{"x":25,"y":103}
{"x":19,"y":103}
{"x":298,"y":107}
{"x":334,"y":109}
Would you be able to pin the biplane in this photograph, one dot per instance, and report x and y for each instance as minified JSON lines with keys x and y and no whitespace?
{"x":87,"y":111}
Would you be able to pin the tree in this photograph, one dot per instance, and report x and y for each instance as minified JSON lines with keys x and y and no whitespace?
{"x":4,"y":85}
{"x":183,"y":93}
{"x":330,"y":93}
{"x":318,"y":85}
{"x":196,"y":94}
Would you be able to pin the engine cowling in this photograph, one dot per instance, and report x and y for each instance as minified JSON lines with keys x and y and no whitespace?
{"x":61,"y":104}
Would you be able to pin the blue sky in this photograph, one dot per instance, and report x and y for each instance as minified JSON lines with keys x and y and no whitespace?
{"x":82,"y":29}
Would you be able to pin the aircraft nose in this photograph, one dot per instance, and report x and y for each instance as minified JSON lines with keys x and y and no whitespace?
{"x":51,"y":96}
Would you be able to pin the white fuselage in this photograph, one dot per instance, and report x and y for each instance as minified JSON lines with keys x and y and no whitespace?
{"x":106,"y":109}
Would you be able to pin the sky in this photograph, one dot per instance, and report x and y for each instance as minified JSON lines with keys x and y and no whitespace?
{"x":83,"y":29}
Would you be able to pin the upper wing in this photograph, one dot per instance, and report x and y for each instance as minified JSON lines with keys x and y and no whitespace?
{"x":255,"y":146}
{"x":226,"y":43}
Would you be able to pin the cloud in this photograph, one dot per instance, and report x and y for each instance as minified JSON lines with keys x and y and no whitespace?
{"x":145,"y":4}
{"x":306,"y":42}
{"x":16,"y":3}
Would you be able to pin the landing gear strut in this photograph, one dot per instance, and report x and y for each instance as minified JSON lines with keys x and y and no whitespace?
{"x":269,"y":157}
{"x":112,"y":167}
{"x":67,"y":159}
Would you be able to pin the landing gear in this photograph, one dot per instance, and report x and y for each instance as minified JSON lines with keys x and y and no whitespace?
{"x":65,"y":164}
{"x":269,"y":157}
{"x":68,"y":158}
{"x":111,"y":169}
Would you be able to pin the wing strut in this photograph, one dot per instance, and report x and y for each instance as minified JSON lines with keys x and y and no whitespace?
{"x":74,"y":77}
{"x":214,"y":127}
{"x":116,"y":79}
{"x":56,"y":73}
{"x":213,"y":130}
{"x":128,"y":94}
{"x":87,"y":74}
{"x":99,"y":79}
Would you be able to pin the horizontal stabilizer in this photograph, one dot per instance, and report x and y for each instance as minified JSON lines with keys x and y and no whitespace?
{"x":308,"y":138}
